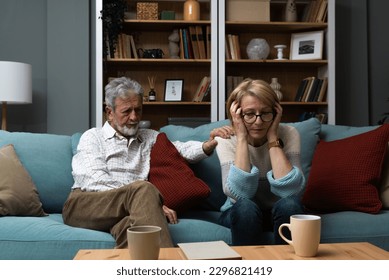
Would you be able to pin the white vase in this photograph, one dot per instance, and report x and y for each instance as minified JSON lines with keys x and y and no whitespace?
{"x":290,"y":11}
{"x":276,"y":86}
{"x":257,"y":48}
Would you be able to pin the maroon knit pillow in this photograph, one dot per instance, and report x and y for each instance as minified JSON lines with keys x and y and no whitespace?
{"x":173,"y":177}
{"x":345,"y":173}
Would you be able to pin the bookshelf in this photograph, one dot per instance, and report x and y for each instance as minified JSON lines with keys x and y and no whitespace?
{"x":290,"y":73}
{"x":150,"y":34}
{"x":153,"y":34}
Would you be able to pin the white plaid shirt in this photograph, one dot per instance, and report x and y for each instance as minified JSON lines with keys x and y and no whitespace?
{"x":106,"y":160}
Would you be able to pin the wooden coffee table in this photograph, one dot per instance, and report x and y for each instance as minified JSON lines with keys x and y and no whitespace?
{"x":334,"y":251}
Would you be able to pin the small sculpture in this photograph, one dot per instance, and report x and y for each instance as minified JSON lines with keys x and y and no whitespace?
{"x":174,"y":39}
{"x":276,"y":86}
{"x":280,"y":54}
{"x":290,"y":11}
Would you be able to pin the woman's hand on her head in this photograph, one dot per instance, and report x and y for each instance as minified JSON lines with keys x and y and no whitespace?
{"x":237,"y":119}
{"x":272,"y":133}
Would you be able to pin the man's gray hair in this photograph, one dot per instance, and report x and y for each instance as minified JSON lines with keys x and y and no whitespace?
{"x":121,"y":87}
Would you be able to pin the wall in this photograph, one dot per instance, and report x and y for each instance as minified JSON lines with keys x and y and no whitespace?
{"x":68,"y":66}
{"x":52,"y":36}
{"x":361,"y":60}
{"x":379,"y":59}
{"x":23,"y":39}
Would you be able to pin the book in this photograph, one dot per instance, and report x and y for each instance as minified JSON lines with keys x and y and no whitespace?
{"x":201,"y":42}
{"x":320,"y":17}
{"x":227,"y":49}
{"x":307,"y":88}
{"x":190,"y":49}
{"x":213,"y":250}
{"x":235,"y":40}
{"x":300,"y":90}
{"x":231,"y":46}
{"x":182,"y":52}
{"x":193,"y":40}
{"x":200,"y":89}
{"x":185,"y":40}
{"x":323,"y":90}
{"x":204,"y":89}
{"x":311,"y":94}
{"x":208,"y":41}
{"x":315,"y":94}
{"x":133,"y":47}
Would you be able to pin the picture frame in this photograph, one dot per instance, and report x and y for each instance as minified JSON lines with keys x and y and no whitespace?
{"x":174,"y":89}
{"x":306,"y":45}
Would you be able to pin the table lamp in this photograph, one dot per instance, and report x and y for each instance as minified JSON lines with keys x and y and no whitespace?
{"x":15,"y":86}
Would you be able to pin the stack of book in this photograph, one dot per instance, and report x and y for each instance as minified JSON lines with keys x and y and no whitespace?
{"x":125,"y":47}
{"x":312,"y":89}
{"x":316,"y":11}
{"x":203,"y":89}
{"x":232,"y":47}
{"x":195,"y":43}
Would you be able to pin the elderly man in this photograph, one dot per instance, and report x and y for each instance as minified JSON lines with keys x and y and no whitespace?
{"x":110,"y":169}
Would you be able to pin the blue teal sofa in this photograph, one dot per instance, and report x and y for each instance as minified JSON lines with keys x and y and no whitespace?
{"x":47,"y":158}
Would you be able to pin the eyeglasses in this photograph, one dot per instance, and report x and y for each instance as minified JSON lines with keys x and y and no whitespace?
{"x":251,"y":118}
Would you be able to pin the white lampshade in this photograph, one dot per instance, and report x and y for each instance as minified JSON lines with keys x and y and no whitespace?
{"x":15,"y":82}
{"x":15,"y":86}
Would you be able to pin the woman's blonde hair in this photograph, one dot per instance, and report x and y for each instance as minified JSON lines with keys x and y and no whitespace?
{"x":257,"y":88}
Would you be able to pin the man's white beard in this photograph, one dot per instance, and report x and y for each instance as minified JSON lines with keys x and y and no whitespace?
{"x":128,"y":132}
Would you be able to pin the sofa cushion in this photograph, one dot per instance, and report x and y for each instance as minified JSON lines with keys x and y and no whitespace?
{"x":171,"y":174}
{"x":47,"y":158}
{"x":345,"y":173}
{"x":384,"y":184}
{"x":18,"y":194}
{"x":208,"y":169}
{"x":309,"y":131}
{"x":47,"y":238}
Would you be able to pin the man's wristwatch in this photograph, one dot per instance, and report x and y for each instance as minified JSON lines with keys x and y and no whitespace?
{"x":277,"y":143}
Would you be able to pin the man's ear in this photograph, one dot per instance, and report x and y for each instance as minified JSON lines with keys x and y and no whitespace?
{"x":108,"y":113}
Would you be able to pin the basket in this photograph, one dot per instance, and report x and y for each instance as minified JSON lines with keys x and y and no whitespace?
{"x":147,"y":11}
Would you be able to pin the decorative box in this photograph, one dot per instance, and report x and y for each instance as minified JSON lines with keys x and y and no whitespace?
{"x":146,"y":10}
{"x":248,"y":10}
{"x":168,"y":15}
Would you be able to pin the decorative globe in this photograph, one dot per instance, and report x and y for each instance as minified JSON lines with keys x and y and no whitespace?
{"x":258,"y":48}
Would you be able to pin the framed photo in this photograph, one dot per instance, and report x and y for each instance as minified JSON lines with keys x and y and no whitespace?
{"x":174,"y":89}
{"x":306,"y":45}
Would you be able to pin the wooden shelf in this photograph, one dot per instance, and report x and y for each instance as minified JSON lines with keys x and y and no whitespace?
{"x":175,"y":103}
{"x":160,"y":25}
{"x":145,"y":61}
{"x":268,"y":27}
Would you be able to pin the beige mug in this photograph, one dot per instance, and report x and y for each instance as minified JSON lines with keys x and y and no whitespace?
{"x":305,"y":231}
{"x":144,"y":242}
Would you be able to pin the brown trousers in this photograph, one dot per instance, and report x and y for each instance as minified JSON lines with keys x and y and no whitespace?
{"x":139,"y":203}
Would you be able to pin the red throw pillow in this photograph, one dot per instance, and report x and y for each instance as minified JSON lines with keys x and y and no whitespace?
{"x":345,"y":173}
{"x":173,"y":177}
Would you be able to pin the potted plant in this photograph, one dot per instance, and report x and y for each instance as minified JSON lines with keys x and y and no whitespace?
{"x":112,"y":16}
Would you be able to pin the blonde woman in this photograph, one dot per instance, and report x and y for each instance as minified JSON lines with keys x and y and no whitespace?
{"x":260,"y":165}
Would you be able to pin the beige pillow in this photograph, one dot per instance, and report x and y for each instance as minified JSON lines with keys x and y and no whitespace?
{"x":18,"y":194}
{"x":384,"y":185}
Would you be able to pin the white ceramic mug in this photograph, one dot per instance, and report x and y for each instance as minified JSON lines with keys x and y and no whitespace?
{"x":144,"y":242}
{"x":305,"y":231}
